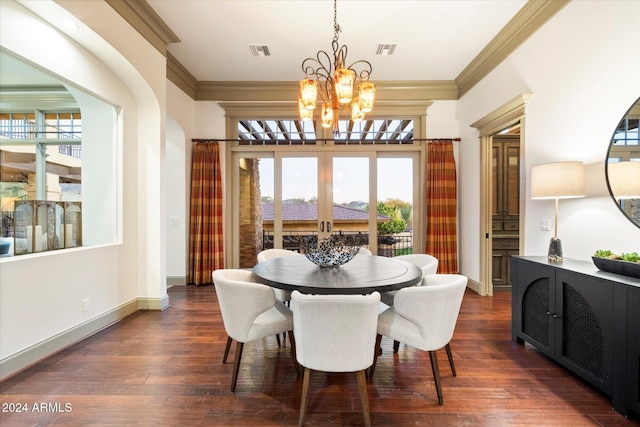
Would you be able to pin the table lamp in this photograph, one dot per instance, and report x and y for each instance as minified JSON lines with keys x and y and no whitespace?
{"x":562,"y":180}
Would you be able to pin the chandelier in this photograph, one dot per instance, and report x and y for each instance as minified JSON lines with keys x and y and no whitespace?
{"x":335,"y":84}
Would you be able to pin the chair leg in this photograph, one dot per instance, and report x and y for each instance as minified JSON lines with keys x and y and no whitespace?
{"x":236,"y":365}
{"x":304,"y":402}
{"x":450,"y":356}
{"x":226,"y":350}
{"x":436,"y":375}
{"x":364,"y":397}
{"x":292,"y":340}
{"x":396,"y":346}
{"x":278,"y":339}
{"x":376,"y":351}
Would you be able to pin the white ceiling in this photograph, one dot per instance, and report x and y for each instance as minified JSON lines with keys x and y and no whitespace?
{"x":435,"y":39}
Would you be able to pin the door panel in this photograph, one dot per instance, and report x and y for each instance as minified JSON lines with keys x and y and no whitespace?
{"x":350,"y":193}
{"x":396,"y":181}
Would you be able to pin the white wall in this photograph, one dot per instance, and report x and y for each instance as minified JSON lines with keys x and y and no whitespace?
{"x":583,"y":69}
{"x":41,"y":295}
{"x":442,"y":120}
{"x":180,"y":131}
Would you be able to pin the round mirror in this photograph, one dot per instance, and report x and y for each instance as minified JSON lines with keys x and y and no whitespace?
{"x":623,"y":165}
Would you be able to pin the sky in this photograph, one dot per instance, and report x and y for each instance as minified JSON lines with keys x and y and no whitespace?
{"x":350,"y":176}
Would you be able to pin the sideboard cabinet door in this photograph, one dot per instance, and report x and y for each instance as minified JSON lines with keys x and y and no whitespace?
{"x":584,"y":327}
{"x":533,"y":297}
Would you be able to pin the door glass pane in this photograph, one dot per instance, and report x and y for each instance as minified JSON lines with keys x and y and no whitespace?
{"x":395,"y":206}
{"x":299,"y":199}
{"x":256,"y":185}
{"x":351,"y":195}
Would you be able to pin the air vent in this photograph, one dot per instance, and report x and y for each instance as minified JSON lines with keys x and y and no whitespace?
{"x":386,"y":49}
{"x":259,"y":50}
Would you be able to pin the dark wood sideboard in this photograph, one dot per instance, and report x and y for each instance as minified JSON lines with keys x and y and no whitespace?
{"x":585,"y":319}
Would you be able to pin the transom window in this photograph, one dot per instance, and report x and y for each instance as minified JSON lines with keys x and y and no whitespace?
{"x":298,"y":132}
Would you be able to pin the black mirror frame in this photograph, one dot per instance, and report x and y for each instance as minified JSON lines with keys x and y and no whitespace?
{"x":634,"y":106}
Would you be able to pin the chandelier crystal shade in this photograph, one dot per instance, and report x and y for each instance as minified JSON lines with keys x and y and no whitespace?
{"x":335,"y":85}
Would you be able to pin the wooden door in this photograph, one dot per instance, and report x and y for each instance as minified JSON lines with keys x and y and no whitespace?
{"x":505,"y":206}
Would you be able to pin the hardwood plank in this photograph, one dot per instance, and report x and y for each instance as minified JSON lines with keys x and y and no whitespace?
{"x":165,"y":368}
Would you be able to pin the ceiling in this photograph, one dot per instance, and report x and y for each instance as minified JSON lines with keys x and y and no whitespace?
{"x":435,"y":40}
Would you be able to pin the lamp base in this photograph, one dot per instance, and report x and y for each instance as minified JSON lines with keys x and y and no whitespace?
{"x":555,"y":250}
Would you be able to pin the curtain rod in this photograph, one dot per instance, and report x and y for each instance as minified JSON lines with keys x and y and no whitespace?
{"x":324,"y":140}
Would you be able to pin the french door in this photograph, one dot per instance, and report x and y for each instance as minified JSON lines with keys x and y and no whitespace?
{"x":281,"y":194}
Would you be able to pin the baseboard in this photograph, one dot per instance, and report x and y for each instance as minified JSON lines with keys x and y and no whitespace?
{"x":28,"y":357}
{"x":154,"y":303}
{"x":176,"y":281}
{"x":474,"y":286}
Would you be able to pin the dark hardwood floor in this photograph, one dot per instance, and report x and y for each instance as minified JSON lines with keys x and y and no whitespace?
{"x":165,"y":368}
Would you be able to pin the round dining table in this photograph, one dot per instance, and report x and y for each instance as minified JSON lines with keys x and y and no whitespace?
{"x":364,"y":274}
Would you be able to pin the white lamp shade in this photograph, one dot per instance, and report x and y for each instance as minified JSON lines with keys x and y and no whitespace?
{"x":562,"y":180}
{"x":624,"y":179}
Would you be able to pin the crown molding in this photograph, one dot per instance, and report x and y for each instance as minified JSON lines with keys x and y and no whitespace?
{"x":289,"y":108}
{"x":288,"y":91}
{"x":408,"y":90}
{"x":146,"y":21}
{"x":533,"y":15}
{"x":180,"y":76}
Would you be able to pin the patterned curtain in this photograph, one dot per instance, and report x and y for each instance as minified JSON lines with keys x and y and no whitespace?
{"x":441,"y":206}
{"x":205,"y":234}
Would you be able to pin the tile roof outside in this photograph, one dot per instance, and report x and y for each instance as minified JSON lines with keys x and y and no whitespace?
{"x":309,"y":211}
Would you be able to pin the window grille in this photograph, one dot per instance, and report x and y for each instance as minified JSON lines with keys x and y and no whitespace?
{"x":21,"y":125}
{"x":63,"y":125}
{"x":18,"y":126}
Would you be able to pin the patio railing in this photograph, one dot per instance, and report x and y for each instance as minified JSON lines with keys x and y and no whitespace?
{"x":388,"y":245}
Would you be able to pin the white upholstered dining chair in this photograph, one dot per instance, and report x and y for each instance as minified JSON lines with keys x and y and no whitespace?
{"x":425,"y":317}
{"x":428,"y":264}
{"x":250,"y":312}
{"x":364,"y":251}
{"x":335,"y":333}
{"x":268,"y":254}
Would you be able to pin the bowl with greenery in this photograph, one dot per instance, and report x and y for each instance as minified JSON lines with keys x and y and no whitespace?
{"x":627,"y":264}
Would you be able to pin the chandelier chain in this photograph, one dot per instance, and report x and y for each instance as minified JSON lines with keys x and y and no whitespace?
{"x":336,"y":29}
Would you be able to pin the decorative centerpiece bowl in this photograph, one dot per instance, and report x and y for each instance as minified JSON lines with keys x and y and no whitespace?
{"x":617,"y":266}
{"x":625,"y":264}
{"x":335,"y":251}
